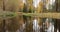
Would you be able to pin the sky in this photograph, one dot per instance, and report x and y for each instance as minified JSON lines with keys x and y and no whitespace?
{"x":24,"y":1}
{"x":36,"y":2}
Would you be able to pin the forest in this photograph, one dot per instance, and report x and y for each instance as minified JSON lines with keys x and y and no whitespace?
{"x":29,"y":15}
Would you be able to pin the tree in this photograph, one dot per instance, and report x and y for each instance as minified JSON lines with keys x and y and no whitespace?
{"x":12,"y":24}
{"x":12,"y":5}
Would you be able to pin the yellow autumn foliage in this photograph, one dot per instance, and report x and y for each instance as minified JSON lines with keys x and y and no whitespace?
{"x":40,"y":7}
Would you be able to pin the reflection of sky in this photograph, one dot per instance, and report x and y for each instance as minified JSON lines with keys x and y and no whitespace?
{"x":35,"y":24}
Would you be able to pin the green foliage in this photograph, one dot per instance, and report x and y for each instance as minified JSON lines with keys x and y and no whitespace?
{"x":7,"y":14}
